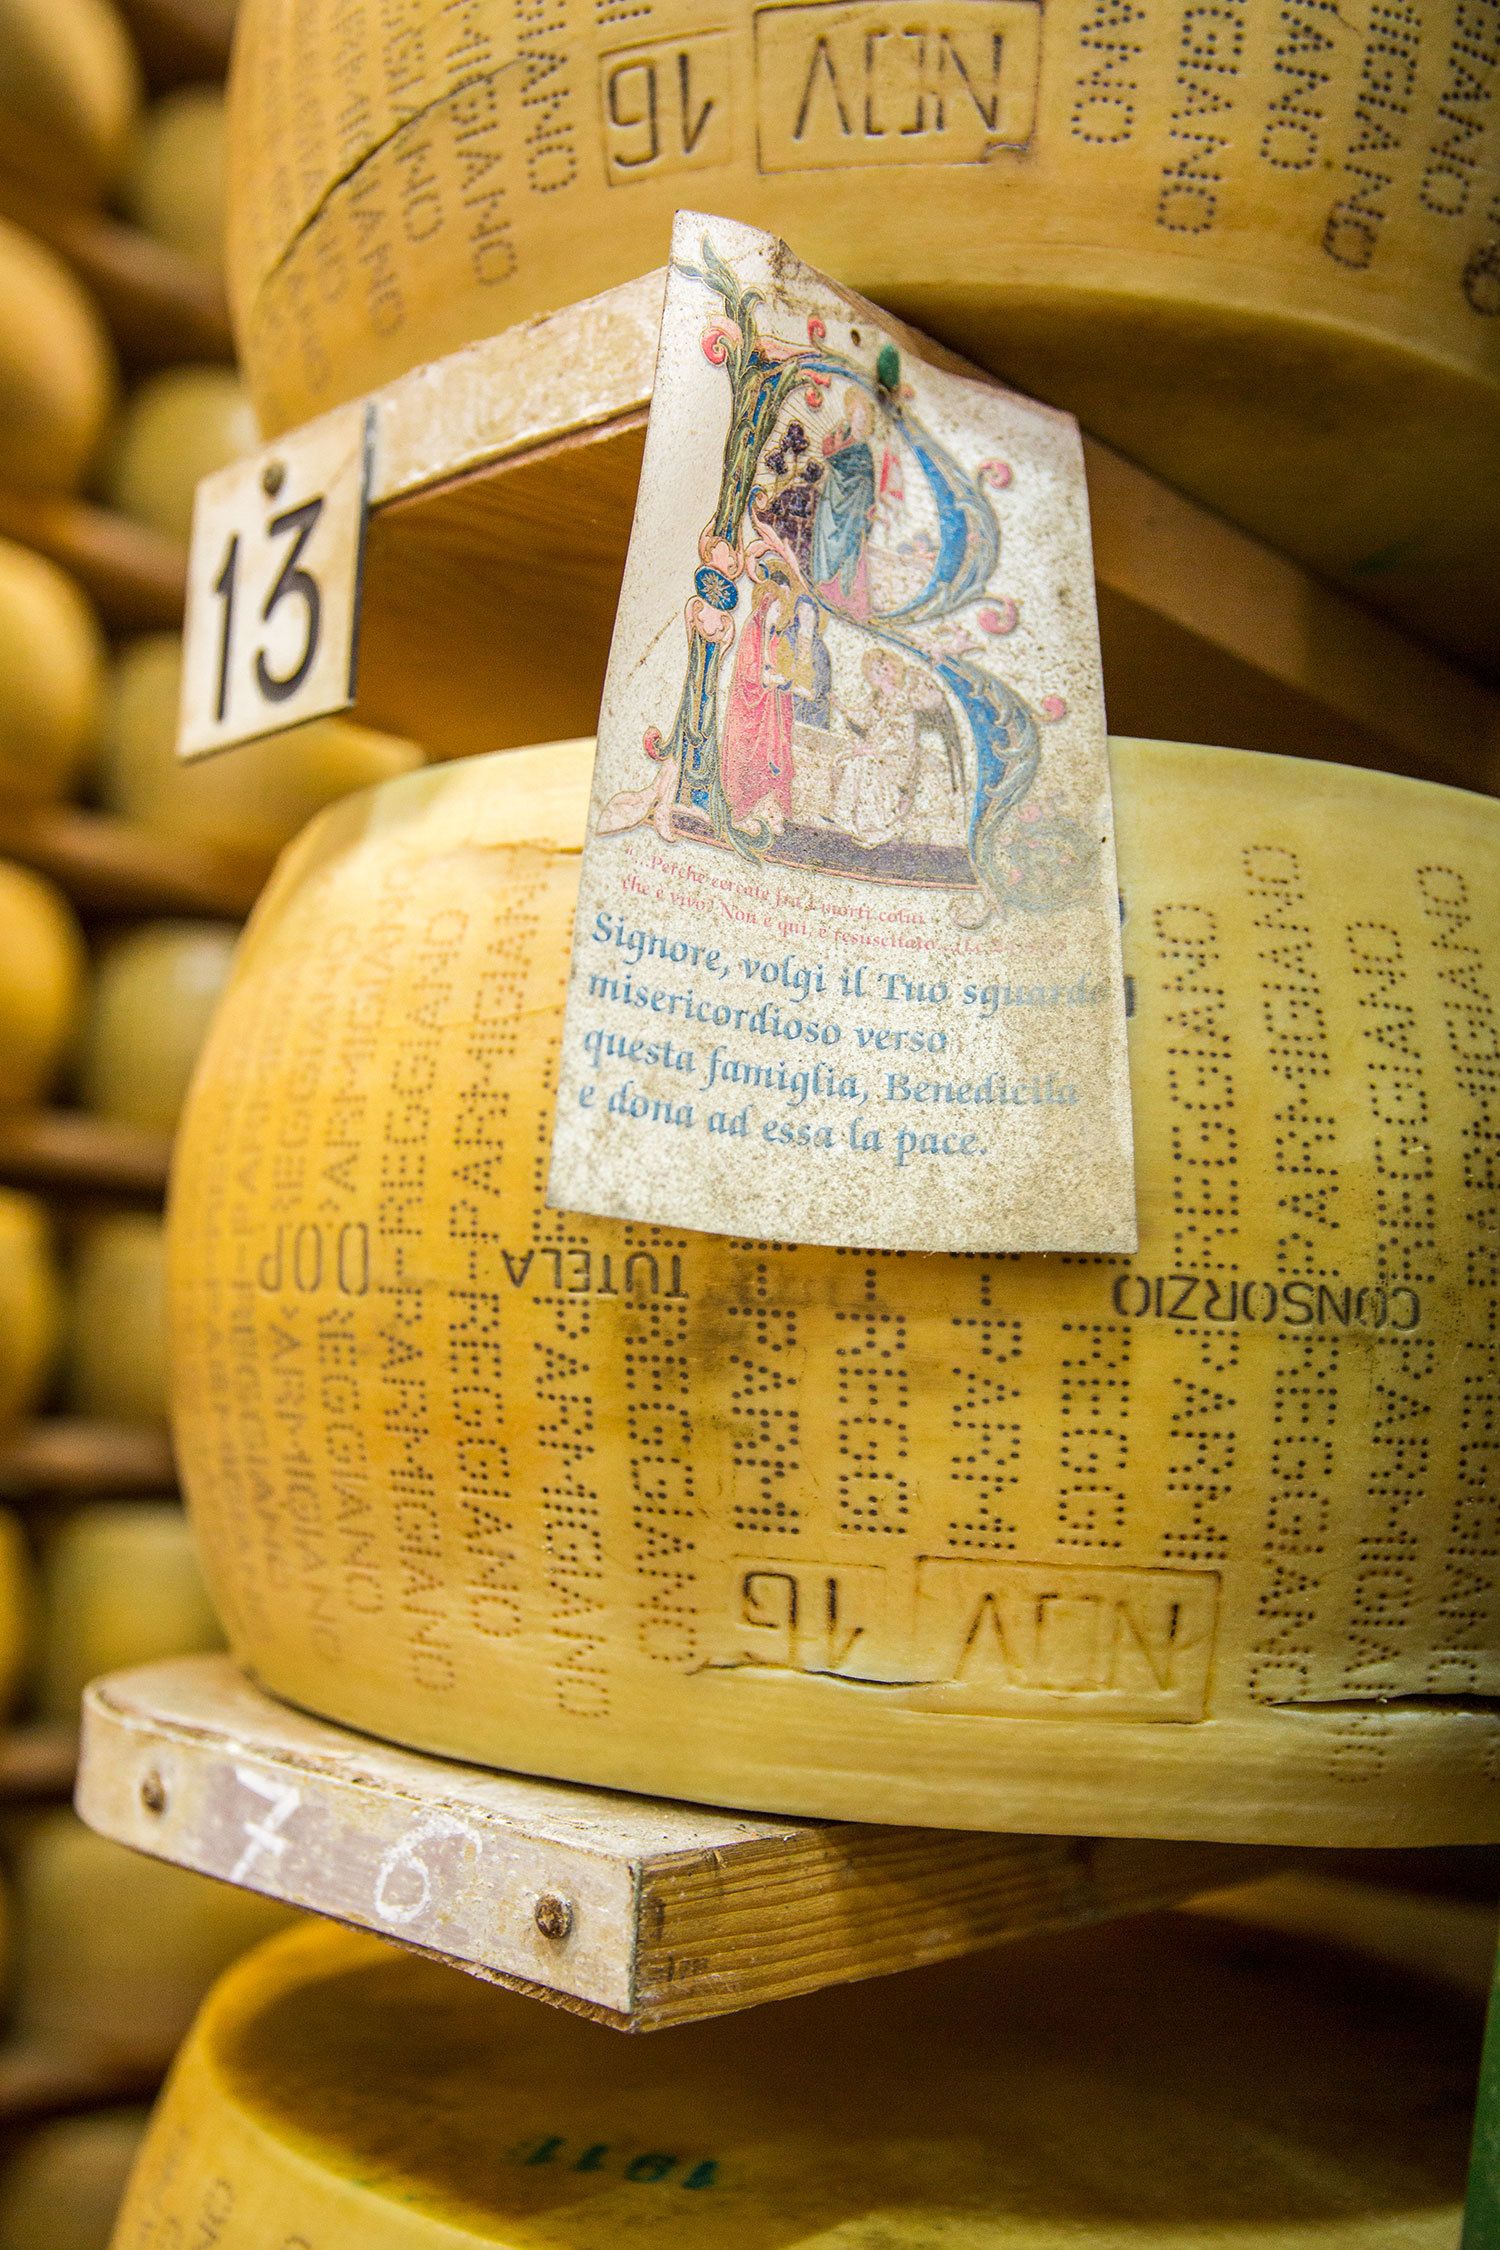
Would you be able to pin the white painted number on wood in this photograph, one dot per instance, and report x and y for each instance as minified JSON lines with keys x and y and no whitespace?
{"x":403,"y":1885}
{"x":272,"y":630}
{"x":264,"y":1836}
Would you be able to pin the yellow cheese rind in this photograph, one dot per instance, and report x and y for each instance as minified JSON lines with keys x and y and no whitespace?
{"x":58,"y":382}
{"x":43,"y":966}
{"x":117,"y":1345}
{"x":120,"y":1584}
{"x":62,"y":2186}
{"x":254,"y":802}
{"x":1257,"y":254}
{"x":52,"y":659}
{"x":177,"y":428}
{"x":1198,"y":1543}
{"x":154,"y":993}
{"x":174,"y":186}
{"x":1160,"y":2087}
{"x":69,"y":93}
{"x":115,"y":1951}
{"x":30,"y":1304}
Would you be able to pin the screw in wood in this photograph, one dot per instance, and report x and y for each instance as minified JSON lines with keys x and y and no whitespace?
{"x":554,"y":1916}
{"x":154,"y":1793}
{"x":272,"y":478}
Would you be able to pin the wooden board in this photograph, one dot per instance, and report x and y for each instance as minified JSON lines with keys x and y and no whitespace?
{"x":38,"y":1760}
{"x":181,"y":42}
{"x":68,"y":1149}
{"x":636,"y":1912}
{"x":66,"y":1457}
{"x":109,"y":866}
{"x":161,"y":307}
{"x":136,"y":577}
{"x":40,"y":2082}
{"x":504,"y":485}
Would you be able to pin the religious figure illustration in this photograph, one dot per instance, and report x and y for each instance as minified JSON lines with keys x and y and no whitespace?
{"x":839,"y":708}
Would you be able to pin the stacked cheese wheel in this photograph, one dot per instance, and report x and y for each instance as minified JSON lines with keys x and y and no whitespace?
{"x":1176,"y":2090}
{"x":1257,"y":253}
{"x":1198,"y":1543}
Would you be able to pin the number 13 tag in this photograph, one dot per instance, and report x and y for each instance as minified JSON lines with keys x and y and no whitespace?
{"x":272,"y":631}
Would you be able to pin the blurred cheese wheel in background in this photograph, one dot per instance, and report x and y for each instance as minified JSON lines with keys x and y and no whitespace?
{"x":117,"y":1357}
{"x":1082,"y":1544}
{"x":254,"y":800}
{"x":30,"y":1304}
{"x":176,"y":428}
{"x":1255,"y":248}
{"x":114,"y":1951}
{"x":1161,"y":2084}
{"x":69,"y":93}
{"x":43,"y":970}
{"x":174,"y":186}
{"x":17,"y":1590}
{"x":120,"y":1584}
{"x":61,"y":2185}
{"x":52,"y":659}
{"x":58,"y":384}
{"x":153,"y":994}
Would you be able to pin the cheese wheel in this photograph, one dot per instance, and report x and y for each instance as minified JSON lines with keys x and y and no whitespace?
{"x":1198,"y":1543}
{"x":57,"y":372}
{"x":62,"y":2186}
{"x":253,"y":802}
{"x":43,"y":966}
{"x":174,"y":186}
{"x":117,"y":1357}
{"x":51,"y":677}
{"x":115,"y":1951}
{"x":1168,"y":2087}
{"x":154,"y":992}
{"x":30,"y":1305}
{"x":16,"y":1606}
{"x":1256,"y":248}
{"x":69,"y":92}
{"x":120,"y":1584}
{"x":177,"y":427}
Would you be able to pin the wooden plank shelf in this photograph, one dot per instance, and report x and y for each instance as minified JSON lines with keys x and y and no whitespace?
{"x":38,"y":2082}
{"x":638,"y":1913}
{"x":136,"y":578}
{"x":109,"y":866}
{"x":503,"y":490}
{"x":69,"y":1457}
{"x":69,"y":1150}
{"x":181,"y":42}
{"x":38,"y":1760}
{"x":161,"y":307}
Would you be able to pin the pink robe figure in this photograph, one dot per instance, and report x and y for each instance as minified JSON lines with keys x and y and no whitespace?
{"x":755,"y":754}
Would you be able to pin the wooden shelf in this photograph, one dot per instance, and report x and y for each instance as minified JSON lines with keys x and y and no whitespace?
{"x":181,"y":42}
{"x":38,"y":1759}
{"x":69,"y":1149}
{"x":40,"y":2082}
{"x":504,"y":485}
{"x":108,"y":866}
{"x":636,"y":1912}
{"x":161,"y":307}
{"x":136,"y":578}
{"x":66,"y":1457}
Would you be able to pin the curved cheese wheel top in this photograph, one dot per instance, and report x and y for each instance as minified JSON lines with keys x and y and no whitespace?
{"x":115,"y":1951}
{"x":154,"y":992}
{"x":174,"y":187}
{"x":1201,"y":1542}
{"x":120,"y":1584}
{"x":58,"y":382}
{"x":62,"y":2185}
{"x":1259,"y":250}
{"x":254,"y":802}
{"x":117,"y":1356}
{"x":43,"y":966}
{"x":177,"y":428}
{"x":1161,"y":2086}
{"x":51,"y":677}
{"x":69,"y":92}
{"x":30,"y":1303}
